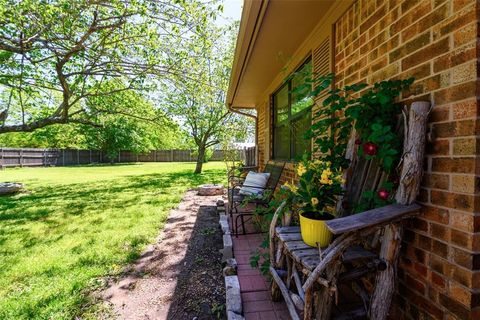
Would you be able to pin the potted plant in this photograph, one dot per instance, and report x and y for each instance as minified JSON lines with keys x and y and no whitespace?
{"x":315,"y":197}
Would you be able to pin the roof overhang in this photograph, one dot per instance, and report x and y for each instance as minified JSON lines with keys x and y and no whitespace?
{"x":270,"y":33}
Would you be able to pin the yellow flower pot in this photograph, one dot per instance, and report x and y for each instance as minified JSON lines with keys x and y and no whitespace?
{"x":315,"y":232}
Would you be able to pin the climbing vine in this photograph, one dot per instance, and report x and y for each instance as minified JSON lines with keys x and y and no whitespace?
{"x":372,"y":111}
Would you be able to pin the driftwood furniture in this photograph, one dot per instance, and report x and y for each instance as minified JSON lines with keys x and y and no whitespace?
{"x":354,"y":277}
{"x":235,"y":199}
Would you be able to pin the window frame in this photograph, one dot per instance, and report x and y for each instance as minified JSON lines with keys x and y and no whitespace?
{"x":300,"y":115}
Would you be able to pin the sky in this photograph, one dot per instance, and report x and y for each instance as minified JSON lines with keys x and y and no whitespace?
{"x":232,"y":10}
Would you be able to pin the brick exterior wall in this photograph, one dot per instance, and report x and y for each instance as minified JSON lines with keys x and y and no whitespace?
{"x":434,"y":41}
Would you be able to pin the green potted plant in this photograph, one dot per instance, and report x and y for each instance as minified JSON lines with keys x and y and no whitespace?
{"x":314,"y":197}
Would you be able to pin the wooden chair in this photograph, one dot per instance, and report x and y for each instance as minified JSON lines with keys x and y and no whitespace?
{"x":235,"y":199}
{"x":358,"y":267}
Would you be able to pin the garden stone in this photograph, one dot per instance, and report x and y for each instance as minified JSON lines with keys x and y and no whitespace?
{"x":10,"y":188}
{"x":233,"y":316}
{"x":234,"y":298}
{"x":210,"y":190}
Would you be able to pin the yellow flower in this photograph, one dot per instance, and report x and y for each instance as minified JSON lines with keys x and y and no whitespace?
{"x":340,"y":179}
{"x":293,"y":188}
{"x":301,"y":169}
{"x":329,"y":182}
{"x":314,"y":201}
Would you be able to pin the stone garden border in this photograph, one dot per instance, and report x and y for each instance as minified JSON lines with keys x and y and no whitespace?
{"x":232,"y":285}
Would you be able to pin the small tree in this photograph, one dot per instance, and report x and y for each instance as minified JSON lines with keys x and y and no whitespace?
{"x":199,"y":102}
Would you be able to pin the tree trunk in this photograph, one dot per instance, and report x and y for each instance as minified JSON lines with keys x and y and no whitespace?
{"x":200,"y":159}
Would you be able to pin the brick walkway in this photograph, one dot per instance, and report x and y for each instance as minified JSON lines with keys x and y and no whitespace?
{"x":254,"y":287}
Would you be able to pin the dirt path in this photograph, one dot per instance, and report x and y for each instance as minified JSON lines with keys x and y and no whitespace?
{"x":179,"y":277}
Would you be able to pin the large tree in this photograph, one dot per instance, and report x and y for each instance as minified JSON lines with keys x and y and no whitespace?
{"x":54,"y":55}
{"x":199,"y":102}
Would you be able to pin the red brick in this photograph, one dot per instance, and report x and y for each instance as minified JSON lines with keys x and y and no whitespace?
{"x":466,"y":184}
{"x":373,"y":19}
{"x":415,"y":285}
{"x":466,"y":146}
{"x":426,"y":85}
{"x":437,"y":279}
{"x":454,"y":200}
{"x":460,"y":294}
{"x":461,"y":4}
{"x":436,"y":214}
{"x":425,"y":23}
{"x":421,"y":269}
{"x":454,"y":307}
{"x":424,"y":304}
{"x":456,"y":165}
{"x":424,"y":242}
{"x":426,"y":53}
{"x":439,"y":113}
{"x":419,"y":72}
{"x":257,"y":306}
{"x":409,"y":47}
{"x":410,"y":17}
{"x":462,"y":221}
{"x":462,"y":258}
{"x":461,"y":239}
{"x":439,"y":231}
{"x":456,"y":128}
{"x":466,"y":109}
{"x":455,"y":22}
{"x":439,"y":248}
{"x":455,"y":58}
{"x":438,"y":147}
{"x":456,"y":93}
{"x":419,"y":224}
{"x":462,"y":276}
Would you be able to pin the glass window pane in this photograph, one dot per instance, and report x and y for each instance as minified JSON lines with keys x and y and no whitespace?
{"x":280,"y":101}
{"x":301,"y":88}
{"x":281,"y":140}
{"x":300,"y":125}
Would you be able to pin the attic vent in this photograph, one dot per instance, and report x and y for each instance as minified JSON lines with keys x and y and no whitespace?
{"x":321,"y":62}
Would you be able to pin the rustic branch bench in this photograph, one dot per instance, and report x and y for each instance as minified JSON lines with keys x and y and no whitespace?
{"x":366,"y":245}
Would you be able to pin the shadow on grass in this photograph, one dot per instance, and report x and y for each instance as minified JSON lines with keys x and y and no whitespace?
{"x":70,"y":222}
{"x":41,"y":203}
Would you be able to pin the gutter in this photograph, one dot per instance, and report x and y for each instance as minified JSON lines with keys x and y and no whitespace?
{"x":249,"y":48}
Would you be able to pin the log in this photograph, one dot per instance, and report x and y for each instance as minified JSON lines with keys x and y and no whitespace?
{"x":298,"y":283}
{"x":325,"y":295}
{"x":297,"y":301}
{"x":410,"y":178}
{"x":273,"y":224}
{"x":285,"y":294}
{"x":289,"y":272}
{"x":308,"y":309}
{"x":275,"y":255}
{"x":414,"y":152}
{"x":385,"y":280}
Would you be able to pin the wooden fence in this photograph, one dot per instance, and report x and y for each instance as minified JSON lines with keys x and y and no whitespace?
{"x":29,"y":157}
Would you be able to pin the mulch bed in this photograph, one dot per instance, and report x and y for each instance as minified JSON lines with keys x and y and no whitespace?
{"x":200,"y":291}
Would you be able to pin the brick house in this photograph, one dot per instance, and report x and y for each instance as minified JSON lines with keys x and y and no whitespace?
{"x":435,"y":41}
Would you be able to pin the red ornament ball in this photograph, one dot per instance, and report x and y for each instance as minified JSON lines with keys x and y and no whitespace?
{"x":358,"y":142}
{"x":370,"y":148}
{"x":383,"y":194}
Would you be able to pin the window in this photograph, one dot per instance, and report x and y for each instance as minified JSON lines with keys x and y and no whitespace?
{"x":292,"y":115}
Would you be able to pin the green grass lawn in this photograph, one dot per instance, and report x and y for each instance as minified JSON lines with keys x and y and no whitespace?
{"x":76,"y":225}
